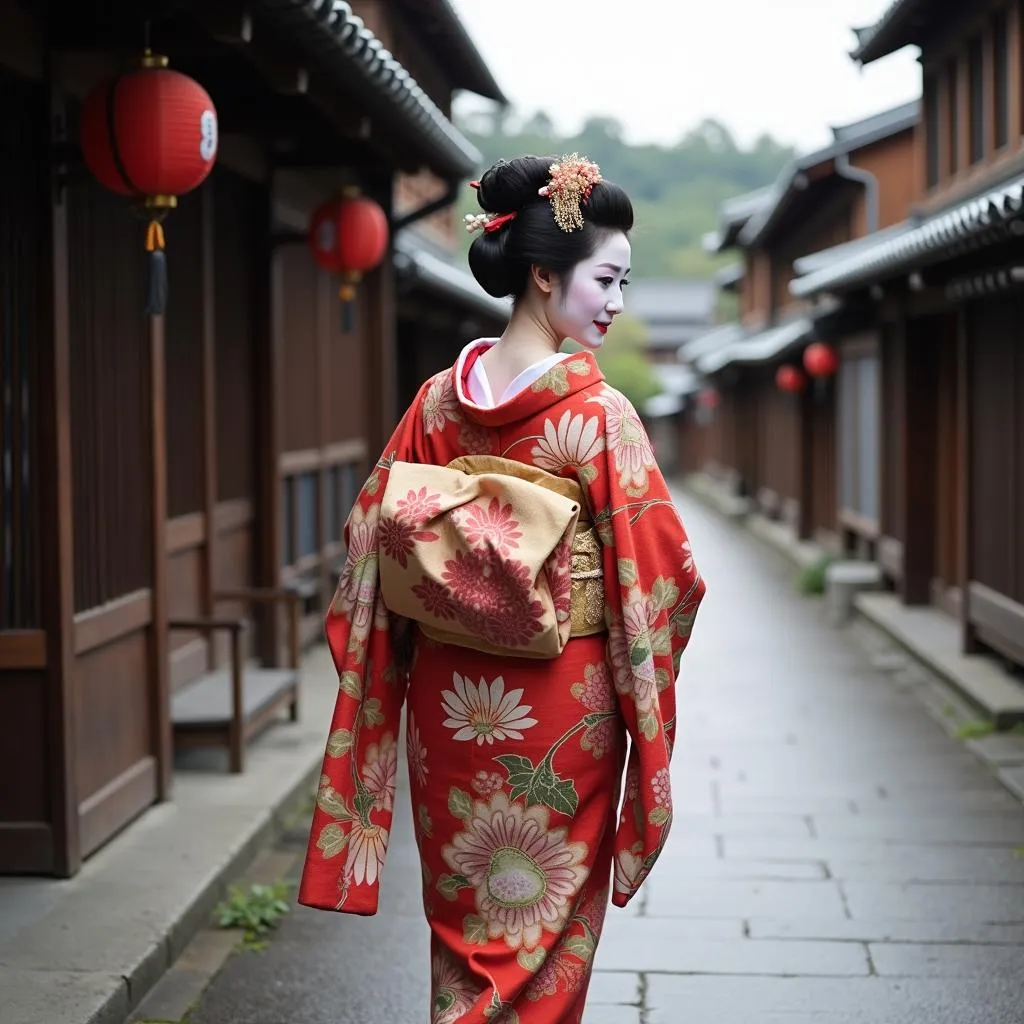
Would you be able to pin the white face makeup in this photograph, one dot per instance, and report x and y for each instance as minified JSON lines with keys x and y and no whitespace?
{"x":585,"y":305}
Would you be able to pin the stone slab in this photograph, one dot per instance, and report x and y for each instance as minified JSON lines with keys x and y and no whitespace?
{"x":934,"y":639}
{"x":1003,"y":749}
{"x":731,"y":956}
{"x":69,"y":997}
{"x":614,"y":988}
{"x":947,"y":961}
{"x":729,"y":898}
{"x":965,"y":828}
{"x":992,"y":904}
{"x":867,"y":930}
{"x":697,"y":1000}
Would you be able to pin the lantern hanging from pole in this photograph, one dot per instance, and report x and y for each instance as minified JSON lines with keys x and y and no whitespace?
{"x":349,"y":237}
{"x":820,"y":360}
{"x":150,"y":134}
{"x":789,"y":379}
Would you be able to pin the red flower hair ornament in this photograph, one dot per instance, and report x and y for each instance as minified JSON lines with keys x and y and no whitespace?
{"x":571,"y":182}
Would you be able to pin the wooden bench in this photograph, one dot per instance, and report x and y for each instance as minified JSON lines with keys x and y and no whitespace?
{"x":226,"y":707}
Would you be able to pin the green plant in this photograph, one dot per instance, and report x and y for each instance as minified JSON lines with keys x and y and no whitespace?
{"x":255,"y":910}
{"x":974,"y":730}
{"x":811,"y":579}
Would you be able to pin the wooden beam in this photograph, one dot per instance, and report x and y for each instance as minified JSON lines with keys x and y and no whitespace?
{"x":267,"y":320}
{"x":963,"y":485}
{"x":209,"y":396}
{"x":159,"y":667}
{"x":56,"y":501}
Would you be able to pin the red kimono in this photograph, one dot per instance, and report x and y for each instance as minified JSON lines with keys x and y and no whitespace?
{"x":515,"y":764}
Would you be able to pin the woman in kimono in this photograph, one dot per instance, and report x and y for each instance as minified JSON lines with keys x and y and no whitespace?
{"x":519,"y":578}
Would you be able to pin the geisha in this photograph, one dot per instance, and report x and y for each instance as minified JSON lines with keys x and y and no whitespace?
{"x":519,"y":579}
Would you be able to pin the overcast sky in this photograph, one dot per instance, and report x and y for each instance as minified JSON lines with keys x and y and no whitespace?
{"x":661,"y":66}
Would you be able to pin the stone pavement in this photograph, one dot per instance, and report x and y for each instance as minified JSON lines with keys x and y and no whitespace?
{"x":836,"y":858}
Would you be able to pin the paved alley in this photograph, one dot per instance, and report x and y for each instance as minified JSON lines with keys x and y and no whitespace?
{"x":836,"y":858}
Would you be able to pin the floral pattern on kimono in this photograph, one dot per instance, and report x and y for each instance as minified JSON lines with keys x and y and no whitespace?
{"x":515,"y":765}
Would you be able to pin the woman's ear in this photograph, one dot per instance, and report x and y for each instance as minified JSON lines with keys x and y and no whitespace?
{"x":544,"y":279}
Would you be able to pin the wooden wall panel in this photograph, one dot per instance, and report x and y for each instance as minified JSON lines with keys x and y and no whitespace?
{"x":20,"y":325}
{"x":237,"y":211}
{"x":23,"y":757}
{"x":995,"y":474}
{"x":110,"y":398}
{"x":112,"y":712}
{"x":300,"y":363}
{"x":347,"y":373}
{"x":183,"y":335}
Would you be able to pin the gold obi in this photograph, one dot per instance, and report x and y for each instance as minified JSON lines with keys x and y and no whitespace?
{"x":491,"y":554}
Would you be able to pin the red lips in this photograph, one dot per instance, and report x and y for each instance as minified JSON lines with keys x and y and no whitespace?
{"x":603,"y":328}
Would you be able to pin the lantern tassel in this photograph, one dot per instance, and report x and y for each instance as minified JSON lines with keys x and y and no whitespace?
{"x":348,"y":313}
{"x":156,"y":292}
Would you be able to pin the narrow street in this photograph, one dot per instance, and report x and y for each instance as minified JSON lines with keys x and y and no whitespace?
{"x":836,"y":858}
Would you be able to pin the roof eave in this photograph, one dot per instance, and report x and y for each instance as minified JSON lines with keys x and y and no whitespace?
{"x":357,"y":60}
{"x":480,"y":79}
{"x":891,"y":32}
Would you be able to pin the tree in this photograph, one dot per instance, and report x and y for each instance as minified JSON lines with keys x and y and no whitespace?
{"x":676,"y":190}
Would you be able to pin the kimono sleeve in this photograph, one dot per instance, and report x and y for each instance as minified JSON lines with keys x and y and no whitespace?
{"x":356,"y":792}
{"x":652,"y":593}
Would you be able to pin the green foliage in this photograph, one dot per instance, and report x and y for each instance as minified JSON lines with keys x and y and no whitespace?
{"x":676,"y":190}
{"x":975,"y":730}
{"x":811,"y":580}
{"x":255,"y":911}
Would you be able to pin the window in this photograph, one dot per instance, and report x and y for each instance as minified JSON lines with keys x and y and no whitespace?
{"x":976,"y":83}
{"x":859,"y":437}
{"x":332,"y":512}
{"x":931,"y":127}
{"x":1000,"y":81}
{"x":306,"y":514}
{"x":287,"y":521}
{"x":953,"y":107}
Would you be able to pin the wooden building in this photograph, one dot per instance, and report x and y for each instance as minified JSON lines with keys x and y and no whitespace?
{"x":174,"y":486}
{"x":779,"y":448}
{"x":948,"y":522}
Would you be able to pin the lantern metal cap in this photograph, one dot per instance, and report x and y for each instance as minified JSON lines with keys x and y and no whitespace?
{"x":154,"y":60}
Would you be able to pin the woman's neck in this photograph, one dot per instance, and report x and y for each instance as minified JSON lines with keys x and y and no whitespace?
{"x":526,"y":340}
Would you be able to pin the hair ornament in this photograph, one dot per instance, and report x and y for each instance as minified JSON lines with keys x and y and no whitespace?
{"x":487,"y":222}
{"x":572,"y":180}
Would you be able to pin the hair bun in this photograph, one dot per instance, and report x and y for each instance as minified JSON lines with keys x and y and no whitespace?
{"x":509,"y":185}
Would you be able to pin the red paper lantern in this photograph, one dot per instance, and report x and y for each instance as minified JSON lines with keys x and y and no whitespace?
{"x":150,"y":134}
{"x":348,"y":237}
{"x":820,"y":360}
{"x":790,"y":379}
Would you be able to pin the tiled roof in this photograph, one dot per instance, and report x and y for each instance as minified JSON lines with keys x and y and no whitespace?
{"x":357,"y":59}
{"x":760,"y":347}
{"x":973,"y":224}
{"x":671,"y":300}
{"x":414,"y":258}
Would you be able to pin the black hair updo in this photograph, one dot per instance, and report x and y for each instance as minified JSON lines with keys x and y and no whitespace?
{"x":501,"y":260}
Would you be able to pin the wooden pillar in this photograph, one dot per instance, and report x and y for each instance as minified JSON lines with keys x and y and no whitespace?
{"x":209,"y":401}
{"x":327,"y":307}
{"x":268,"y":328}
{"x":805,"y":456}
{"x":159,"y":669}
{"x":917,"y":372}
{"x":964,"y":489}
{"x":56,"y":506}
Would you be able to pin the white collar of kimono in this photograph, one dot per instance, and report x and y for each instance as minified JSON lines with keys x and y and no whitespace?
{"x":479,"y":386}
